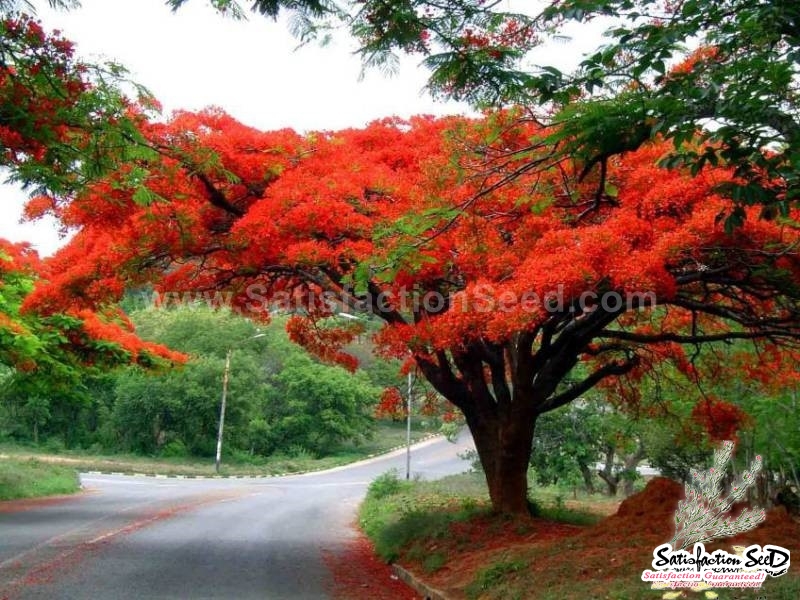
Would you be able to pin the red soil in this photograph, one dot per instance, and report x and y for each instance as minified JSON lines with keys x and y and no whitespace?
{"x":12,"y":506}
{"x":358,"y":573}
{"x":617,"y":548}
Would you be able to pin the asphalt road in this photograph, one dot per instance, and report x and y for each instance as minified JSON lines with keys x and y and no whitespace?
{"x":148,"y":538}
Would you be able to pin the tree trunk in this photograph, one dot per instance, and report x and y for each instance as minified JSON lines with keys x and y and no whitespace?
{"x":631,"y":461}
{"x":588,"y":480}
{"x":504,"y":447}
{"x":607,"y":474}
{"x":611,"y":483}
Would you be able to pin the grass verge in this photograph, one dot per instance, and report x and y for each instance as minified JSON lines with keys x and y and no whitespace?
{"x":584,"y":548}
{"x":32,"y":478}
{"x":408,"y":517}
{"x":386,"y":436}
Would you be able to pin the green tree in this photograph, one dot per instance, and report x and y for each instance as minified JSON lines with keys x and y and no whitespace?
{"x":317,"y":407}
{"x":279,"y":399}
{"x":566,"y":446}
{"x":572,"y":442}
{"x":64,"y":122}
{"x":182,"y":406}
{"x":49,"y":361}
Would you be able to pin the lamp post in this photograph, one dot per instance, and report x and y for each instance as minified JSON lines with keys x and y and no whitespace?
{"x":408,"y":406}
{"x":408,"y":427}
{"x":225,"y":376}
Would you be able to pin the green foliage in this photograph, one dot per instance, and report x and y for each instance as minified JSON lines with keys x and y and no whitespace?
{"x":153,"y":410}
{"x":409,"y":517}
{"x":11,"y":6}
{"x":474,"y":460}
{"x":385,"y":485}
{"x":491,"y":576}
{"x":30,"y":478}
{"x":416,"y":526}
{"x":434,"y":561}
{"x":69,"y":121}
{"x":567,"y":441}
{"x":320,"y":406}
{"x":279,"y":399}
{"x":174,"y":449}
{"x":450,"y":430}
{"x":671,"y":452}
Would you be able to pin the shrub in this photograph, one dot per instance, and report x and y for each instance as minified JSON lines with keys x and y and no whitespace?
{"x":385,"y":485}
{"x":174,"y":449}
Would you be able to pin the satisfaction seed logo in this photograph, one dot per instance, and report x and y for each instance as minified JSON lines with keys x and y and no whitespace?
{"x":705,"y":515}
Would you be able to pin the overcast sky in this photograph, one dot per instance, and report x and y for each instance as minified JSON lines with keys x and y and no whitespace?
{"x":196,"y":58}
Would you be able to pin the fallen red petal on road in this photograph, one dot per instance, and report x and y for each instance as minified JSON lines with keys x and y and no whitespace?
{"x":358,"y":573}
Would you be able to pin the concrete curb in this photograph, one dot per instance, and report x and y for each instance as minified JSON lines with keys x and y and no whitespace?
{"x":271,"y":476}
{"x":427,"y":592}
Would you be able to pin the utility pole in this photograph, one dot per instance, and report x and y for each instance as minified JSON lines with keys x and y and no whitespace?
{"x":408,"y":427}
{"x":225,"y":376}
{"x":222,"y":409}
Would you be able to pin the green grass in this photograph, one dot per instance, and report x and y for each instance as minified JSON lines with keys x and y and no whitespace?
{"x":31,"y":478}
{"x":418,"y":523}
{"x":492,"y":576}
{"x":399,"y":514}
{"x":386,"y":436}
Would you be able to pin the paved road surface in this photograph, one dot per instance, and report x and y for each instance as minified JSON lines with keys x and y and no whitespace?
{"x":146,"y":538}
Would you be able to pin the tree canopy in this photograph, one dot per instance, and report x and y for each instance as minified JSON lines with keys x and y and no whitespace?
{"x":515,"y":290}
{"x":724,"y":71}
{"x":55,"y":343}
{"x":518,"y":263}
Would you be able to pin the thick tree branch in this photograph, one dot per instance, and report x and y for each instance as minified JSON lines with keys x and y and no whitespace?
{"x":215,"y":196}
{"x":698,"y":338}
{"x":608,"y":370}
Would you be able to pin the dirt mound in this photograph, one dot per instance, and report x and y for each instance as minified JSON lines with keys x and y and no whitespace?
{"x":645,"y":518}
{"x":648,"y":516}
{"x":659,"y":496}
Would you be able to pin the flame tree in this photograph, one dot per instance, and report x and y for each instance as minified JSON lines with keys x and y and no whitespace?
{"x":514,"y":290}
{"x":515,"y":278}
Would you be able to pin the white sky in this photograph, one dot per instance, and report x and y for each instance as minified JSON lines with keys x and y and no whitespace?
{"x":196,"y":58}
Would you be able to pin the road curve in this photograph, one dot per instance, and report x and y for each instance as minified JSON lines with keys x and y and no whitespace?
{"x":128,"y":537}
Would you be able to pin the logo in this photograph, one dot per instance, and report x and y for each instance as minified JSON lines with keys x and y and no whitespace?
{"x":705,"y":514}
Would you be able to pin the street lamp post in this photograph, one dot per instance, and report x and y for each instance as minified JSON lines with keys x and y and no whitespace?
{"x":408,"y":427}
{"x":225,"y":376}
{"x":222,"y":409}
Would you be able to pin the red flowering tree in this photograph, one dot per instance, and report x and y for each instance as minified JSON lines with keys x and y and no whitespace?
{"x":391,"y":405}
{"x":64,"y":121}
{"x":55,"y":345}
{"x":743,"y":80}
{"x":516,"y":284}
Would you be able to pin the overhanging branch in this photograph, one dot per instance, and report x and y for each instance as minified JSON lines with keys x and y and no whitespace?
{"x":641,"y":338}
{"x":614,"y":368}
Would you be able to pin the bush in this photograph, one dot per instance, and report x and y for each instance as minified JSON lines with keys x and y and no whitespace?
{"x":174,"y":449}
{"x":54,"y":445}
{"x":398,"y":514}
{"x":300,"y":452}
{"x":386,"y":485}
{"x":474,"y":460}
{"x":450,"y":430}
